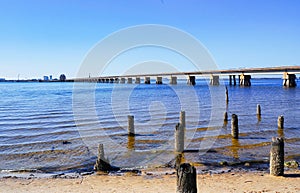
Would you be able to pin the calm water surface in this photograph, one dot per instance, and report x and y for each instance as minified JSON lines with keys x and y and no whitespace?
{"x":39,"y":128}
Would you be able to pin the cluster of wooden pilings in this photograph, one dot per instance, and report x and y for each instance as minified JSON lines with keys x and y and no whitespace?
{"x":277,"y":143}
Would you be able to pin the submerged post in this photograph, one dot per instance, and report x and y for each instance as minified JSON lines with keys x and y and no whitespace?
{"x":234,"y":126}
{"x":225,"y":117}
{"x":179,"y":138}
{"x":277,"y":157}
{"x":131,"y":125}
{"x":258,"y":110}
{"x":186,"y":179}
{"x":230,"y":80}
{"x":226,"y":95}
{"x":280,"y":122}
{"x":101,"y":163}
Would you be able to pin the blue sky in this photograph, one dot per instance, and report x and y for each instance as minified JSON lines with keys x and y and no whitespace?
{"x":43,"y":37}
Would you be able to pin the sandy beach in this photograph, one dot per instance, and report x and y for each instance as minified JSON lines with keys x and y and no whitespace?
{"x":253,"y":182}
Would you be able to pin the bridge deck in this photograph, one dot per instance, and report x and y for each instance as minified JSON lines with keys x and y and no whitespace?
{"x":269,"y":70}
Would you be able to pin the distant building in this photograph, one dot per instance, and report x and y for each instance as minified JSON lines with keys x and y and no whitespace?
{"x":50,"y":77}
{"x":2,"y":79}
{"x":46,"y":78}
{"x":62,"y":78}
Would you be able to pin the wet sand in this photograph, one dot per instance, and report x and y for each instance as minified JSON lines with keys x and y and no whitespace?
{"x":227,"y":182}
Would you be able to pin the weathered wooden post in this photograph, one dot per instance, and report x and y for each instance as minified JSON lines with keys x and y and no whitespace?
{"x":179,"y":138}
{"x":226,"y":95}
{"x":225,"y":117}
{"x":234,"y":126}
{"x":182,"y":119}
{"x":277,"y":157}
{"x":280,"y":122}
{"x":101,"y":163}
{"x":186,"y":179}
{"x":131,"y":125}
{"x":258,"y":110}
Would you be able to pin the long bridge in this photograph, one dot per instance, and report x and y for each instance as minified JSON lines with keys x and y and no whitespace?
{"x":244,"y":76}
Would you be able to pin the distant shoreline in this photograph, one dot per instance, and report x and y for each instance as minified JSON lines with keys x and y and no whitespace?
{"x":35,"y":81}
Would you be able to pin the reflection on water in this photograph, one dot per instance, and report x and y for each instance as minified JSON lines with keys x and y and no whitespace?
{"x":258,"y":118}
{"x":234,"y":148}
{"x":38,"y":131}
{"x":131,"y":142}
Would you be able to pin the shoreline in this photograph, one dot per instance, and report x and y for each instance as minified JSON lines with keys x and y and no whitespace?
{"x":159,"y":180}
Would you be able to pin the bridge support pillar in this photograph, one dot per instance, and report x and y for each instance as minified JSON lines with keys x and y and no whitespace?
{"x":107,"y":80}
{"x":159,"y":80}
{"x":122,"y":80}
{"x":137,"y":80}
{"x":147,"y":80}
{"x":232,"y":80}
{"x":173,"y":80}
{"x":245,"y":80}
{"x":214,"y":80}
{"x":111,"y":80}
{"x":289,"y":80}
{"x":117,"y":80}
{"x":129,"y":81}
{"x":191,"y":80}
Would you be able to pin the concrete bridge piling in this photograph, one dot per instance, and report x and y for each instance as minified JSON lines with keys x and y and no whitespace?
{"x":159,"y":80}
{"x":173,"y":80}
{"x":191,"y":80}
{"x":245,"y":80}
{"x":214,"y":80}
{"x":147,"y":80}
{"x":289,"y":76}
{"x":289,"y":80}
{"x":232,"y":80}
{"x":137,"y":80}
{"x":129,"y":80}
{"x":122,"y":81}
